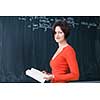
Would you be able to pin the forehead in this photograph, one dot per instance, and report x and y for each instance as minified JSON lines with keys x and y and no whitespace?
{"x":57,"y":28}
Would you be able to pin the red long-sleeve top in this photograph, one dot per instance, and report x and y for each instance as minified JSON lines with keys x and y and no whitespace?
{"x":64,"y":66}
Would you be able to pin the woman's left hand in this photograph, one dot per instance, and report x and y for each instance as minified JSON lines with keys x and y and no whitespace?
{"x":48,"y":77}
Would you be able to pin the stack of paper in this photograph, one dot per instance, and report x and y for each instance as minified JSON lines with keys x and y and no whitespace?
{"x":36,"y":74}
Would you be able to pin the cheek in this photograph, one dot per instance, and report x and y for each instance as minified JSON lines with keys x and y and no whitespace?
{"x":62,"y":36}
{"x":54,"y":36}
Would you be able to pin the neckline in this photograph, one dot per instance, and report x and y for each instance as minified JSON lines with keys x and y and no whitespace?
{"x":59,"y":53}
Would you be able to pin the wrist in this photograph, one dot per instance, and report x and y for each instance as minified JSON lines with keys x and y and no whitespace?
{"x":53,"y":76}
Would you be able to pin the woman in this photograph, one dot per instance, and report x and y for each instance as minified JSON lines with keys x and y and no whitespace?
{"x":64,"y":63}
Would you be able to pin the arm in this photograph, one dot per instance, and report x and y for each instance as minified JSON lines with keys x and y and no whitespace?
{"x":70,"y":57}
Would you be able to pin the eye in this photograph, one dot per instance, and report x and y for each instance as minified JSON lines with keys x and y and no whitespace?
{"x":60,"y":32}
{"x":54,"y":33}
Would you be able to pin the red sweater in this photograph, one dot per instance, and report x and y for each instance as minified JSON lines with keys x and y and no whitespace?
{"x":64,"y":66}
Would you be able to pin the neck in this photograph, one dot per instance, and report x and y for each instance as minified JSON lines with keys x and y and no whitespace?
{"x":62,"y":44}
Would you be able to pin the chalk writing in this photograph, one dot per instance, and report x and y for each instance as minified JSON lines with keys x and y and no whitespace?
{"x":45,"y":22}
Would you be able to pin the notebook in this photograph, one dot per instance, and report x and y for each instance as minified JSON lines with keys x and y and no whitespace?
{"x":36,"y":74}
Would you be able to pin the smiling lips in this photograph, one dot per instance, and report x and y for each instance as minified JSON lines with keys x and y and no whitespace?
{"x":57,"y":38}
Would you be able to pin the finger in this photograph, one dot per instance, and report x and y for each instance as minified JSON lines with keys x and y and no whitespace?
{"x":44,"y":72}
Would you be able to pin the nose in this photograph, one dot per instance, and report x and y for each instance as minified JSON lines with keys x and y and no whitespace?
{"x":57,"y":34}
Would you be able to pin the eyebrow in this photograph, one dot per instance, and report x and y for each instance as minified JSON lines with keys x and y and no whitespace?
{"x":59,"y":31}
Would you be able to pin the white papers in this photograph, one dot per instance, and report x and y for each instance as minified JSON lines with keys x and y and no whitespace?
{"x":36,"y":74}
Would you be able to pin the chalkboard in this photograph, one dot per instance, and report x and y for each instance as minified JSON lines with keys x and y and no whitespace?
{"x":26,"y":41}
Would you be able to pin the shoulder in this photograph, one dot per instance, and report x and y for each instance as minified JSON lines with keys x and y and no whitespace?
{"x":69,"y":50}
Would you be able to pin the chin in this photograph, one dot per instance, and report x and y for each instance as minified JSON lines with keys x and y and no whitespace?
{"x":57,"y":41}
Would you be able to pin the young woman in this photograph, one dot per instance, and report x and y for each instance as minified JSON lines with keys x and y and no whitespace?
{"x":64,"y":63}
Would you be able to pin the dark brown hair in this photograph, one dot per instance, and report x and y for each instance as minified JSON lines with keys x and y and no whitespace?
{"x":64,"y":27}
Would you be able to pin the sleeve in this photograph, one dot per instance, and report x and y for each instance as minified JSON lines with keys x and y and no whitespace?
{"x":70,"y":57}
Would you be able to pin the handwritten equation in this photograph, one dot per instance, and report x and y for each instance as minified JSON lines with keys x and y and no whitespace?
{"x":45,"y":22}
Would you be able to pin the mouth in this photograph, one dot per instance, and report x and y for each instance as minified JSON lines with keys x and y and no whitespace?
{"x":57,"y":38}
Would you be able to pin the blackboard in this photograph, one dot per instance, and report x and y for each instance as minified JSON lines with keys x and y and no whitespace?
{"x":26,"y":41}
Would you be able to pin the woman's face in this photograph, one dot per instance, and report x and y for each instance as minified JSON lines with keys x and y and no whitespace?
{"x":59,"y":35}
